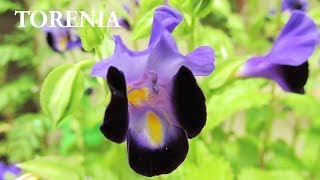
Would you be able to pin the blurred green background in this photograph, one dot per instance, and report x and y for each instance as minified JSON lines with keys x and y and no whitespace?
{"x":254,"y":130}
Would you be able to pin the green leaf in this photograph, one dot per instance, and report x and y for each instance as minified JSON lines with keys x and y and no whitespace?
{"x":14,"y":94}
{"x":91,"y":37}
{"x":26,"y":136}
{"x":217,"y":39}
{"x":303,"y":105}
{"x":143,"y":27}
{"x":256,"y":119}
{"x":206,"y":164}
{"x":237,"y":96}
{"x":242,"y":153}
{"x":222,"y":7}
{"x":203,"y":8}
{"x":55,"y":167}
{"x":258,"y":174}
{"x":282,"y":156}
{"x":61,"y":92}
{"x":310,"y":154}
{"x":11,"y":52}
{"x":224,"y":72}
{"x":7,"y":5}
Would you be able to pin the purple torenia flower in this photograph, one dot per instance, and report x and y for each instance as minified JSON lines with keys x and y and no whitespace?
{"x":294,"y":5}
{"x":8,"y":169}
{"x":156,"y":104}
{"x":61,"y":39}
{"x":287,"y":62}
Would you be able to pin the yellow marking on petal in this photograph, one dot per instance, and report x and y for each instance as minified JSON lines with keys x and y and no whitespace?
{"x":136,"y":96}
{"x":154,"y":128}
{"x":62,"y":44}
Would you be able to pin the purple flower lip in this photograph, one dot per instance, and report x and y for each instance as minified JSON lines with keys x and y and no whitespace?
{"x":61,"y":39}
{"x":156,"y":104}
{"x":286,"y":63}
{"x":292,"y":5}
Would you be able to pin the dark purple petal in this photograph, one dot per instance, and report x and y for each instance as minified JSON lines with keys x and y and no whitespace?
{"x":189,"y":102}
{"x":294,"y":5}
{"x":155,"y":155}
{"x":293,"y":78}
{"x":115,"y":122}
{"x":296,"y":42}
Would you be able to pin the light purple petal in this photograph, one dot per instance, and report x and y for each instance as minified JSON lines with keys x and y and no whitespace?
{"x":166,"y":60}
{"x":201,"y":61}
{"x":131,"y":63}
{"x":296,"y":42}
{"x":165,"y":18}
{"x":14,"y":170}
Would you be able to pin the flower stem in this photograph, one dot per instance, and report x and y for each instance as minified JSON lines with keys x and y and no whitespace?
{"x":85,"y":64}
{"x":267,"y":133}
{"x":296,"y":132}
{"x":192,"y":43}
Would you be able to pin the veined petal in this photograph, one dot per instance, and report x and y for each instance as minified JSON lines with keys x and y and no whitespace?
{"x":154,"y":145}
{"x":115,"y":123}
{"x":296,"y":42}
{"x":188,"y":102}
{"x":131,"y":63}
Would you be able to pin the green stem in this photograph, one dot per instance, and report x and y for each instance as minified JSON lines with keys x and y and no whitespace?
{"x":193,"y":34}
{"x":98,"y":51}
{"x":267,"y":133}
{"x":86,"y":64}
{"x":296,"y":132}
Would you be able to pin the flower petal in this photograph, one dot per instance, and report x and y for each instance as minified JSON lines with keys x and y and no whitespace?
{"x":294,"y":5}
{"x":166,"y":19}
{"x":189,"y":102}
{"x":131,"y":63}
{"x":166,"y":60}
{"x":154,"y":146}
{"x":201,"y":61}
{"x":296,"y":42}
{"x":289,"y":78}
{"x":293,"y":78}
{"x":115,"y":123}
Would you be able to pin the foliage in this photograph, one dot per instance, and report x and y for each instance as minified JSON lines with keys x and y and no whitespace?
{"x":51,"y":109}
